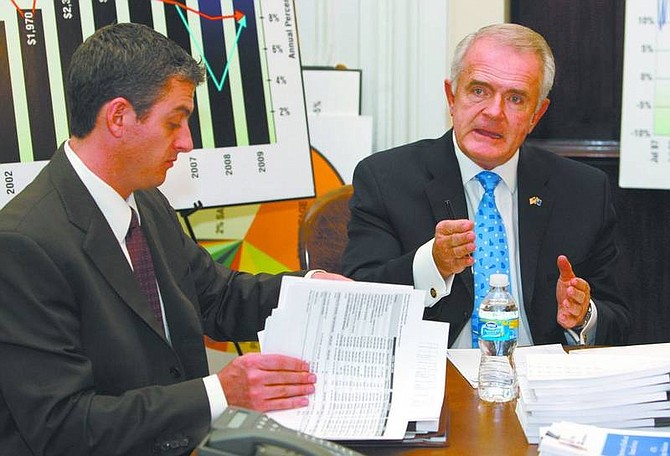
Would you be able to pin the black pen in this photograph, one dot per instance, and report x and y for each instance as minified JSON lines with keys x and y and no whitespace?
{"x":450,"y":210}
{"x":451,"y":214}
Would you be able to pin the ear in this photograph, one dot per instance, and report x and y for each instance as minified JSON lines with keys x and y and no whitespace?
{"x":117,"y":113}
{"x":448,"y":90}
{"x":538,"y":114}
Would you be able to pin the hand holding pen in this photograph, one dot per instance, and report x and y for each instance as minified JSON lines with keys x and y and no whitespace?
{"x":454,"y":243}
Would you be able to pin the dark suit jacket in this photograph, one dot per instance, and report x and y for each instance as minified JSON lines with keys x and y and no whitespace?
{"x":399,"y":197}
{"x":84,"y":367}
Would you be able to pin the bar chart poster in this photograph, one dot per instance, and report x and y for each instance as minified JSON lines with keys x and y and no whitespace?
{"x":645,"y":120}
{"x":249,"y":126}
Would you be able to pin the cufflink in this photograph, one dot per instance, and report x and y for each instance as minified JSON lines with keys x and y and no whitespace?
{"x":433,"y":292}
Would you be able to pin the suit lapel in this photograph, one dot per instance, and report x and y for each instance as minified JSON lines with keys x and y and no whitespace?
{"x":114,"y":267}
{"x":535,"y":206}
{"x":99,"y":242}
{"x":447,"y":184}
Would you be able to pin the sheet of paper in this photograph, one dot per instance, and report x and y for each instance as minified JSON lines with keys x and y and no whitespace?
{"x":466,"y":360}
{"x":554,"y":371}
{"x":428,"y":369}
{"x":342,"y":140}
{"x":330,"y":91}
{"x":364,"y":342}
{"x":660,"y":350}
{"x":521,"y":354}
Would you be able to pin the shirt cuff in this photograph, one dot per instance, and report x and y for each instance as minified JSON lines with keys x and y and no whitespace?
{"x":427,"y":277}
{"x":215,"y":395}
{"x":585,"y":335}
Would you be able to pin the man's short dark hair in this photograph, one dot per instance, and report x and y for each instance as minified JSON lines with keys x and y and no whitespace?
{"x":132,"y":61}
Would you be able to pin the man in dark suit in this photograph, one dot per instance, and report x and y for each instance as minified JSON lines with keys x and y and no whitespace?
{"x":558,"y":214}
{"x":86,"y":366}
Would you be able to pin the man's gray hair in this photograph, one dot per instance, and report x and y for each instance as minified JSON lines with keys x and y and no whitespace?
{"x":516,"y":36}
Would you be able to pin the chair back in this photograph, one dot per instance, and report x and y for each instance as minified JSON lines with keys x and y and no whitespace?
{"x":323,"y":231}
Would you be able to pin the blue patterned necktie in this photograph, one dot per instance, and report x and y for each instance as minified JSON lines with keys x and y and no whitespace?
{"x":491,"y":251}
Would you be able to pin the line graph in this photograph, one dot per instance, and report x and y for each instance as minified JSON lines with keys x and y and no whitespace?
{"x":20,"y":10}
{"x":645,"y":120}
{"x":662,"y":86}
{"x":249,"y":124}
{"x":237,"y":15}
{"x":239,"y":18}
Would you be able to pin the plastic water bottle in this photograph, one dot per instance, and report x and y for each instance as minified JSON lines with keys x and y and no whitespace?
{"x":498,"y":333}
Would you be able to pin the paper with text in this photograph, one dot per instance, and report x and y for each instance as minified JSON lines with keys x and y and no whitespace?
{"x":378,"y":364}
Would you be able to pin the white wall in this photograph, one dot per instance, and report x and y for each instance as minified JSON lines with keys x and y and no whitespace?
{"x":403,"y":49}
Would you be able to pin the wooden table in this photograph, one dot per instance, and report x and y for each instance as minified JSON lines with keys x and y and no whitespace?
{"x":475,"y":427}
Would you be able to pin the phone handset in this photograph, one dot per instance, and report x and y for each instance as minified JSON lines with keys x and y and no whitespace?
{"x":241,"y":432}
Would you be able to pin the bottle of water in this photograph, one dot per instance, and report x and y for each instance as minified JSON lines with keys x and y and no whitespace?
{"x":498,"y":333}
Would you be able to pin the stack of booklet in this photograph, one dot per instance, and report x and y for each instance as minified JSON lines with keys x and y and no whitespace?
{"x":380,"y":368}
{"x":618,"y":387}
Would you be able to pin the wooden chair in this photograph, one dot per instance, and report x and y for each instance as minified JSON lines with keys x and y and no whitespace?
{"x":322,"y":234}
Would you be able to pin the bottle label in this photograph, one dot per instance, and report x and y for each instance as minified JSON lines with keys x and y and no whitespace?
{"x":498,"y":330}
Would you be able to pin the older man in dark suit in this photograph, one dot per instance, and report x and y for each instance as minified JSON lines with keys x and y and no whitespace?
{"x":557,"y":214}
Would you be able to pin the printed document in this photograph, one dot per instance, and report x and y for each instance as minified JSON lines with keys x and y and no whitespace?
{"x":378,"y":365}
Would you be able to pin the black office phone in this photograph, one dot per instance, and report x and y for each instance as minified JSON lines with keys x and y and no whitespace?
{"x":242,"y":432}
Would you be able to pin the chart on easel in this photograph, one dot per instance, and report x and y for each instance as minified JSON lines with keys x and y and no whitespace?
{"x":249,"y":126}
{"x":645,"y":120}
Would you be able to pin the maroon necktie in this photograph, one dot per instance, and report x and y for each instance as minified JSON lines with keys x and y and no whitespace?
{"x":143,"y":266}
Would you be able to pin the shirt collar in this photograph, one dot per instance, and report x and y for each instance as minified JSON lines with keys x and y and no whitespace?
{"x":115,"y":209}
{"x":469,"y":169}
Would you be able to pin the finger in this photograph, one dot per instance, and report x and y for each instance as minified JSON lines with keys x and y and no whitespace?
{"x":576,"y":295}
{"x":283,"y":403}
{"x":467,"y":261}
{"x":463,"y":251}
{"x":570,"y":308}
{"x":579,"y":284}
{"x":287,"y":378}
{"x":567,"y":320}
{"x":462,"y":241}
{"x":447,"y":227}
{"x":465,"y":237}
{"x":273,"y":362}
{"x":264,"y":399}
{"x":465,"y":241}
{"x":284,"y":391}
{"x":564,"y":268}
{"x":329,"y":276}
{"x":453,"y":260}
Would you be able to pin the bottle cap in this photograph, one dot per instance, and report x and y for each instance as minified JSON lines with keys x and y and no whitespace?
{"x":498,"y":280}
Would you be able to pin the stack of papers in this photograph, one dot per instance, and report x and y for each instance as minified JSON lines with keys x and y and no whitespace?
{"x":571,"y":439}
{"x":380,"y":368}
{"x":615,"y":388}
